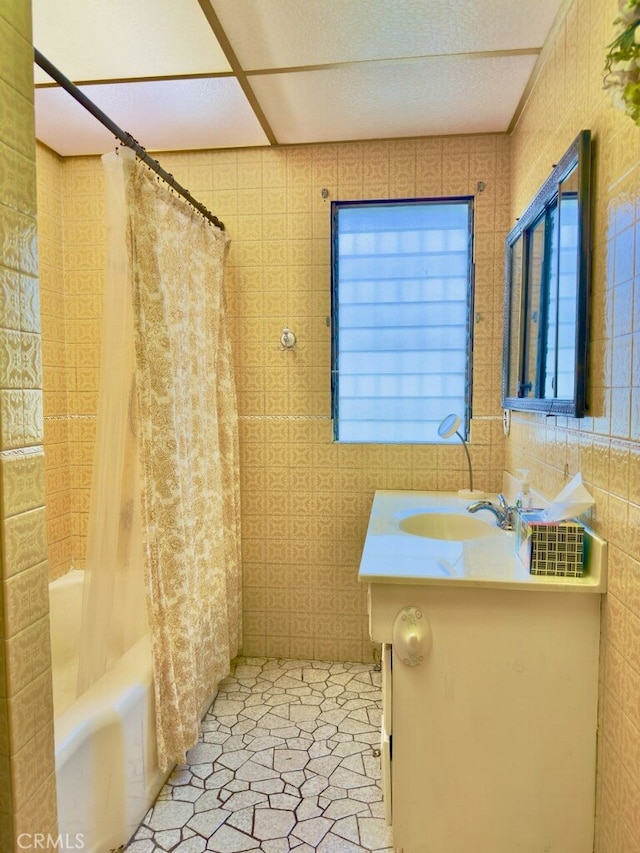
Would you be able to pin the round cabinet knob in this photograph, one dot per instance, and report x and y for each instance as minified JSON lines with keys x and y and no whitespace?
{"x":411,"y":636}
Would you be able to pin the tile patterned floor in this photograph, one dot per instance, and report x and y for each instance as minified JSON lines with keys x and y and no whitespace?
{"x":285,"y":762}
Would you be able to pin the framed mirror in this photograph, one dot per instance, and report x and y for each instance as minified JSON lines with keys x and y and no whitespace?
{"x":547,"y":284}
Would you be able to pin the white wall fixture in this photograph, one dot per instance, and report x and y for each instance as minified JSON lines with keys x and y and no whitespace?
{"x":411,"y":636}
{"x":287,"y":339}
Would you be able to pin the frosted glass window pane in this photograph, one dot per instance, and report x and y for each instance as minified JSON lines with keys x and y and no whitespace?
{"x":438,"y":362}
{"x":403,"y":314}
{"x":401,"y":305}
{"x":406,"y":290}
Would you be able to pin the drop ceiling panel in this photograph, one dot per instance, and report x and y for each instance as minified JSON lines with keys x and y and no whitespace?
{"x":120,"y":39}
{"x":289,"y":33}
{"x":382,"y":100}
{"x":318,"y":70}
{"x":161,"y":115}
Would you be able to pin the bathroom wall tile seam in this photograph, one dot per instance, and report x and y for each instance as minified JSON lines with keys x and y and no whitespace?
{"x":617,"y":778}
{"x":626,"y":744}
{"x":17,"y":105}
{"x":622,"y":635}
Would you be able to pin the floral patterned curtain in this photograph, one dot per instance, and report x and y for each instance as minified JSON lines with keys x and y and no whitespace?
{"x":188,"y":446}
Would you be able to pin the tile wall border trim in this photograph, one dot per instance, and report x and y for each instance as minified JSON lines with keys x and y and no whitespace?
{"x":20,"y":452}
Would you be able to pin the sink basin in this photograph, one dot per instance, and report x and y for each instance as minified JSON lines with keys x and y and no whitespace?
{"x":447,"y":525}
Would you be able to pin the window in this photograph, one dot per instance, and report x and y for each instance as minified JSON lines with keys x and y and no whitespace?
{"x":401,"y":305}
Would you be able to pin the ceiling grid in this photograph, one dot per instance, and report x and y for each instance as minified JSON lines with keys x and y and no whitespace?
{"x":194,"y":74}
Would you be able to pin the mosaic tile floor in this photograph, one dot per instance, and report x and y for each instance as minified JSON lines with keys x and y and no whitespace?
{"x":285,"y":762}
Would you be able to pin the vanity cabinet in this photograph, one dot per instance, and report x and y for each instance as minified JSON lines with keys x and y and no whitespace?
{"x":489,"y":742}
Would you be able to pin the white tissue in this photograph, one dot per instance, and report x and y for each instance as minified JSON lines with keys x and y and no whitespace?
{"x":572,"y":501}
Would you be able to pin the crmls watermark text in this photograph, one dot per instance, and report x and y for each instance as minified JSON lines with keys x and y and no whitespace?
{"x":42,"y":841}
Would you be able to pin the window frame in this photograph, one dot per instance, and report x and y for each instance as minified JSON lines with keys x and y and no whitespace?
{"x":517,"y":386}
{"x":336,"y":206}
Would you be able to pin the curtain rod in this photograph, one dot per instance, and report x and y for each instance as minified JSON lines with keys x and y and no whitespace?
{"x":123,"y":136}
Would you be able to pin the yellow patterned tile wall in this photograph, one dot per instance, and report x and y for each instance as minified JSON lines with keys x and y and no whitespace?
{"x":605,"y":446}
{"x":27,"y":777}
{"x":83,"y":274}
{"x":54,"y":359}
{"x":305,"y":499}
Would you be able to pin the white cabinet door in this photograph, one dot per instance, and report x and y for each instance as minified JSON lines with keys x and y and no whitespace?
{"x":494,"y":734}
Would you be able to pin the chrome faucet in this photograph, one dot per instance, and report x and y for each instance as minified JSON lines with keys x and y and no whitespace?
{"x":504,"y":514}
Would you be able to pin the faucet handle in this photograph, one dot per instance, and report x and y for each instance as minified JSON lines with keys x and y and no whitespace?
{"x":502,"y":501}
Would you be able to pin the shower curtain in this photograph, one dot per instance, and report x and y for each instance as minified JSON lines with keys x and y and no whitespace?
{"x":183,"y":413}
{"x":114,"y":612}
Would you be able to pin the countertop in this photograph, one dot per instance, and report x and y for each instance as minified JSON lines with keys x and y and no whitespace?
{"x":391,"y":555}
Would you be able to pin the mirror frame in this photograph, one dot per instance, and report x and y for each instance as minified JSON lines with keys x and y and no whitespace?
{"x":517,"y":354}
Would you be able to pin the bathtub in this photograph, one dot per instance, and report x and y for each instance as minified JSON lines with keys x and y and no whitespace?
{"x":106,"y":766}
